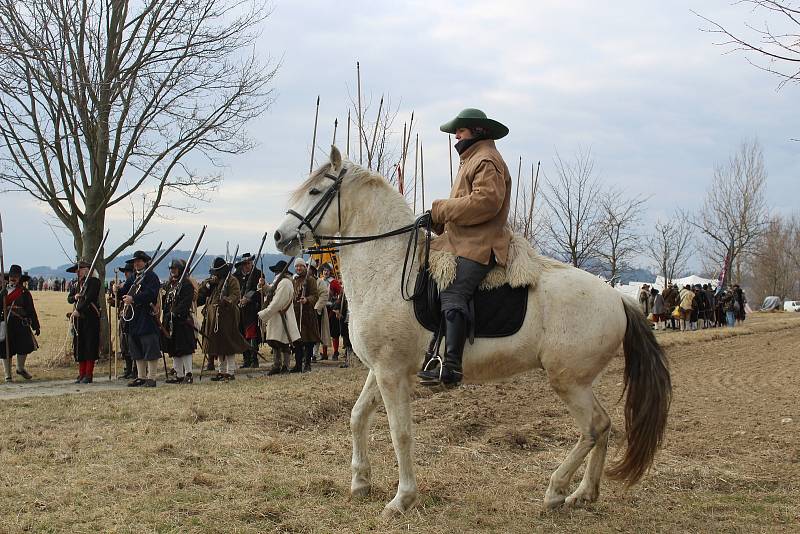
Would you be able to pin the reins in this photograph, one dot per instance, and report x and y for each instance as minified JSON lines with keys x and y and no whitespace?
{"x":331,"y":243}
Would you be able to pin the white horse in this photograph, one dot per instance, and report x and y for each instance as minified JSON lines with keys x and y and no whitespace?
{"x":574,"y":325}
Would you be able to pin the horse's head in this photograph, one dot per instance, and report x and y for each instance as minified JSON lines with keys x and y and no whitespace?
{"x":313,"y":208}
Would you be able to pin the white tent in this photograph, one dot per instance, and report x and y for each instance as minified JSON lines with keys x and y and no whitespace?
{"x":688,"y":280}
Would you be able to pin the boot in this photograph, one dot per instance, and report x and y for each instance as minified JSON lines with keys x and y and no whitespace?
{"x":298,"y":363}
{"x":210,"y":366}
{"x":21,"y":371}
{"x":188,"y":379}
{"x":455,"y":337}
{"x":247,"y":360}
{"x":128,"y":374}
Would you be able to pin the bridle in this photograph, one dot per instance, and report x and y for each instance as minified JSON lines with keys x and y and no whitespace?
{"x":331,"y":243}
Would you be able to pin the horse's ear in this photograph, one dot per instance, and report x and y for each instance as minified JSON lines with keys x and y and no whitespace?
{"x":336,"y":158}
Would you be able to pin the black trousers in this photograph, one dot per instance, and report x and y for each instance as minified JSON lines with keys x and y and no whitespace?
{"x":469,"y":275}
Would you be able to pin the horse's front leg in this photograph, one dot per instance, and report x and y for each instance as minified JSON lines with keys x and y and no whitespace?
{"x":395,"y":387}
{"x":360,"y":420}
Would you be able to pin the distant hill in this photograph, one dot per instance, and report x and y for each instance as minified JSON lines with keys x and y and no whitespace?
{"x":161,"y":269}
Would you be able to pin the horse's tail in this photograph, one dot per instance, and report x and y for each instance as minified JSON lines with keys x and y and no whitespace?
{"x":649,"y":389}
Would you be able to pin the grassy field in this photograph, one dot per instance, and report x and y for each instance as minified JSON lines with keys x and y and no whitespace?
{"x":272,"y":455}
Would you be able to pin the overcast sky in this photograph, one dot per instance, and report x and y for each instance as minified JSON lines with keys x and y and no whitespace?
{"x":637,"y":81}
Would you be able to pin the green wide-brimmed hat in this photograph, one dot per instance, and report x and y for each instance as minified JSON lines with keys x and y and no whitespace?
{"x":471,"y":118}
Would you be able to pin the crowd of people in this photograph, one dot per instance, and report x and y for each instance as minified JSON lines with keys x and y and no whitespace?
{"x":695,"y":307}
{"x":300,"y":314}
{"x":40,"y":283}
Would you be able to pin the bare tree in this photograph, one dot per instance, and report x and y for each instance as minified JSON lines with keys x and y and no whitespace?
{"x":734,"y":211}
{"x":772,"y":46}
{"x":108,"y":103}
{"x":620,"y":217}
{"x":573,"y":202}
{"x":773,"y":264}
{"x":670,"y":246}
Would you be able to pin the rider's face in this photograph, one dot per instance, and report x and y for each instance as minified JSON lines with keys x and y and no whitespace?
{"x":463,"y":133}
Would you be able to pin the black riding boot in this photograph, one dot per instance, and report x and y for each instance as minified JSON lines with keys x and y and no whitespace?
{"x":455,"y":337}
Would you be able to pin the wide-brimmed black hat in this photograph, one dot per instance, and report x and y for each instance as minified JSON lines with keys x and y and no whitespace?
{"x":244,"y":259}
{"x":220,"y":266}
{"x":142,"y":255}
{"x":80,"y":265}
{"x":177,"y":263}
{"x":474,"y":118}
{"x":278,"y":267}
{"x":14,"y":270}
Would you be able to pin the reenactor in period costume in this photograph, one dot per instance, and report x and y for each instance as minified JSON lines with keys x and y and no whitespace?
{"x":138,"y":311}
{"x":178,"y":336}
{"x":248,"y":276}
{"x":21,"y":325}
{"x":280,"y":327}
{"x":84,"y":295}
{"x":114,"y":298}
{"x":472,"y":225}
{"x":220,"y":295}
{"x":321,"y":307}
{"x":306,"y":294}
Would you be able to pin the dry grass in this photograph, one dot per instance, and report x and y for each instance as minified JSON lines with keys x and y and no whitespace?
{"x":272,"y":455}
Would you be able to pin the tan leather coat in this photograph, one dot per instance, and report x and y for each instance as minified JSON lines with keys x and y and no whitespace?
{"x":475,"y":217}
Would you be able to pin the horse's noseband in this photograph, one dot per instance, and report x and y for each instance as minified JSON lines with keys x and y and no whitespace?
{"x":319,"y":209}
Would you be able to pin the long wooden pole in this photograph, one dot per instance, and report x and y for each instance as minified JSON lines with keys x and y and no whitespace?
{"x":347,"y":150}
{"x":450,"y":157}
{"x":402,"y":166}
{"x":416,"y":166}
{"x":3,"y":287}
{"x":534,"y":186}
{"x":360,"y":117}
{"x":371,"y":152}
{"x":516,"y":202}
{"x":117,"y":345}
{"x":422,"y":175}
{"x":314,"y":138}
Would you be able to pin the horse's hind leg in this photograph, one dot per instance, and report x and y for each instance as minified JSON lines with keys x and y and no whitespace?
{"x":589,"y":488}
{"x":360,"y":418}
{"x":580,"y":402}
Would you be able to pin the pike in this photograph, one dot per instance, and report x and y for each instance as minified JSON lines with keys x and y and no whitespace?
{"x":4,"y":325}
{"x":314,"y":139}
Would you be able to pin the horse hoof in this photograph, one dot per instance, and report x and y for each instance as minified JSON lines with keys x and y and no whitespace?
{"x":579,"y":499}
{"x":554,"y":502}
{"x":391,"y":511}
{"x":360,"y":492}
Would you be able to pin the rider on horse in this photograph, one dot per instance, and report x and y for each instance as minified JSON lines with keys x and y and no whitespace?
{"x":472,"y":225}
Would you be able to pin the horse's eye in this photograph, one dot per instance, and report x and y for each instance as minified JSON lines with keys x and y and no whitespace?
{"x":314,"y":191}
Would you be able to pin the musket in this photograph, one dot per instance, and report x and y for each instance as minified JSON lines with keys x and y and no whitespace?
{"x":137,"y":283}
{"x":198,"y":262}
{"x":3,"y":282}
{"x":247,"y":278}
{"x":230,"y":272}
{"x":82,"y":292}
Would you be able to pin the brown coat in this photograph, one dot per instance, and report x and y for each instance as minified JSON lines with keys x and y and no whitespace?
{"x":475,"y":217}
{"x":307,"y":287}
{"x":221,"y":318}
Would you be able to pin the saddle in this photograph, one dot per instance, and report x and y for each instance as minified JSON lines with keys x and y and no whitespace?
{"x":497,"y":312}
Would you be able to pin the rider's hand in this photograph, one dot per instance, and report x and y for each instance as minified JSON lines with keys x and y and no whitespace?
{"x":37,"y":332}
{"x":424,"y":220}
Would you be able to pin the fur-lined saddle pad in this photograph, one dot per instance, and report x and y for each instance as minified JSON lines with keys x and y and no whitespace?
{"x":502,"y":298}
